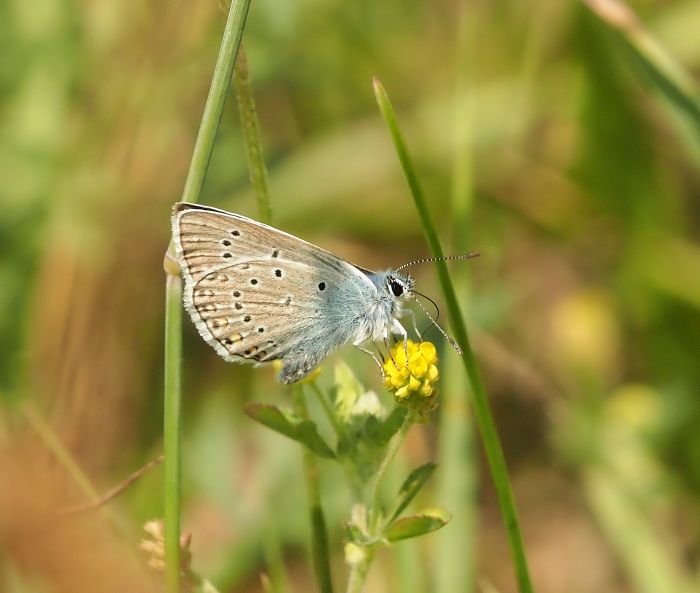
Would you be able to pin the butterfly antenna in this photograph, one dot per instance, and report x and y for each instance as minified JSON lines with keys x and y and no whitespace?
{"x":432,"y":302}
{"x":425,"y":260}
{"x":436,"y":324}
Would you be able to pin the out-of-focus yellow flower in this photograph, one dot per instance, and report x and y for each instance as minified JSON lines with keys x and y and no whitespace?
{"x":585,"y":334}
{"x":412,"y":380}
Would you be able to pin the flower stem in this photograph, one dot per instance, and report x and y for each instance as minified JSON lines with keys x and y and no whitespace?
{"x":358,"y":572}
{"x":328,"y":410}
{"x":391,"y":451}
{"x":319,"y":534}
{"x":487,"y":427}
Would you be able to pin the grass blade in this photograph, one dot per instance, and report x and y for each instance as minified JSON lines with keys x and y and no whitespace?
{"x":454,"y":553}
{"x":487,"y":427}
{"x":456,"y":485}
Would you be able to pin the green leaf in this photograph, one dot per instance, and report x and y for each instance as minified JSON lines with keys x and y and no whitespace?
{"x":290,"y":425}
{"x":423,"y":523}
{"x":412,"y":486}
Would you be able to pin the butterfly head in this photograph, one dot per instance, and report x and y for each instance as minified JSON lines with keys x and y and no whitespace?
{"x":398,"y":285}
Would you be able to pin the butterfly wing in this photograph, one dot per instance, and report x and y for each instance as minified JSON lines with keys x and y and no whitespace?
{"x":257,"y":294}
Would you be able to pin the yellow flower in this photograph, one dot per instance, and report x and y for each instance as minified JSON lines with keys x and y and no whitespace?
{"x":412,"y":380}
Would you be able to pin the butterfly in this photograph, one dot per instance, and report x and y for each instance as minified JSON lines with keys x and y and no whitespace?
{"x":257,"y":294}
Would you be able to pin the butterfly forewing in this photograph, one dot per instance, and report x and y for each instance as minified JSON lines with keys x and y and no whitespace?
{"x":208,"y":238}
{"x":256,"y":294}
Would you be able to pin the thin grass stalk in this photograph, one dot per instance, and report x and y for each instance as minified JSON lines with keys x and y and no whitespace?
{"x":257,"y":172}
{"x":455,"y":548}
{"x":251,"y":134}
{"x":274,"y":559}
{"x":214,"y":107}
{"x":65,"y":458}
{"x":201,"y":156}
{"x":456,"y":485}
{"x":319,"y":534}
{"x":651,"y":566}
{"x":59,"y":451}
{"x":172,"y":430}
{"x":487,"y":427}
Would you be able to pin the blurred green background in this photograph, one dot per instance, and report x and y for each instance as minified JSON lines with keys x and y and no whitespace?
{"x":559,"y":139}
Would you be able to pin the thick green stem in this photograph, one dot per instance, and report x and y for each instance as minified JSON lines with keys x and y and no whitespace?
{"x":487,"y":427}
{"x":319,"y":533}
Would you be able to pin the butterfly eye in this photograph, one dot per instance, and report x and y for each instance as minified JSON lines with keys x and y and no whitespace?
{"x":396,"y":287}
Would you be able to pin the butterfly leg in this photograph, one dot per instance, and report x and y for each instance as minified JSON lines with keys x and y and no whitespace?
{"x":374,"y":357}
{"x":388,"y":349}
{"x":412,"y":315}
